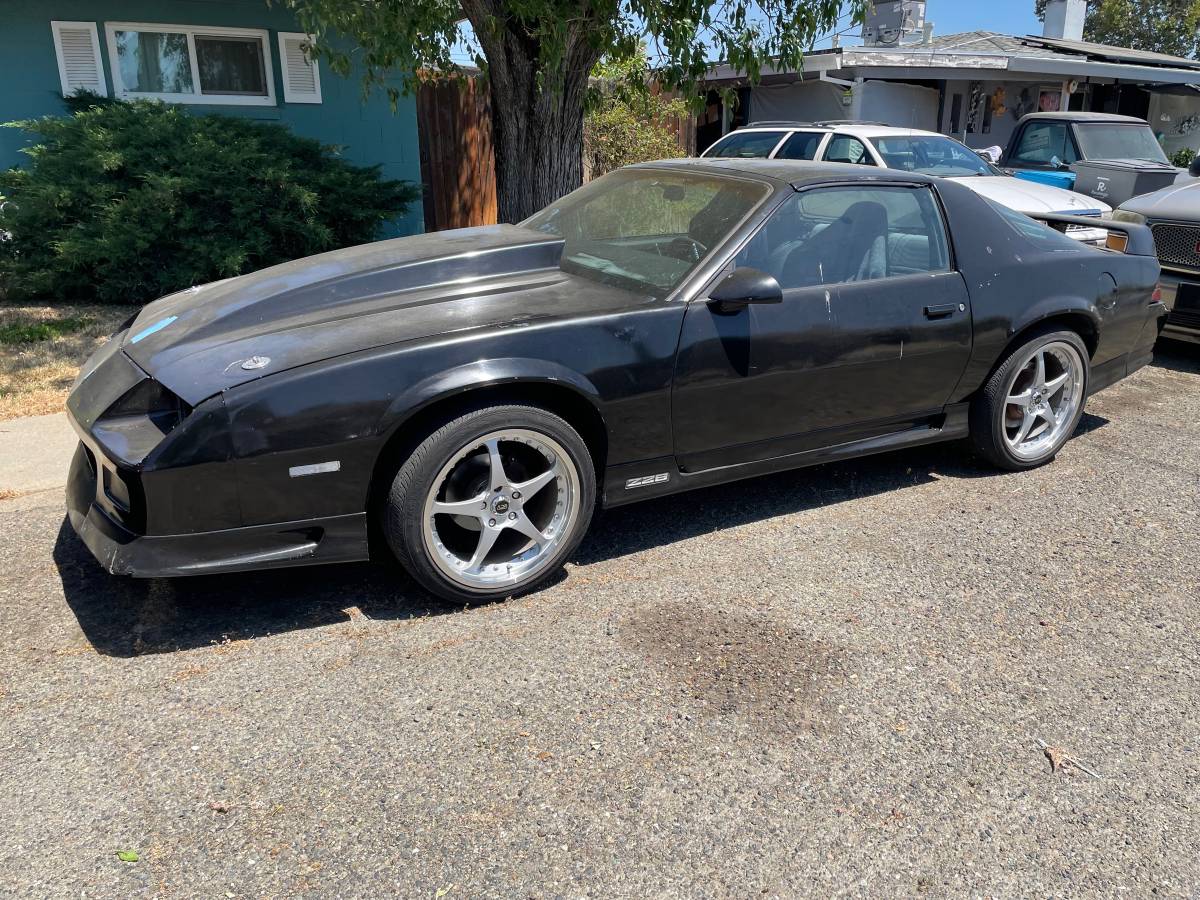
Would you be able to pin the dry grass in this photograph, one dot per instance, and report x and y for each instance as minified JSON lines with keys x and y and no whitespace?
{"x":36,"y":374}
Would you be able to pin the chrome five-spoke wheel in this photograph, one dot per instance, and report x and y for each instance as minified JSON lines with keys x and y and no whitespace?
{"x":500,"y":507}
{"x":1031,"y":404}
{"x":1042,"y":399}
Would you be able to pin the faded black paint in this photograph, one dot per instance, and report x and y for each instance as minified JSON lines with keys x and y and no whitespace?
{"x":363,"y":340}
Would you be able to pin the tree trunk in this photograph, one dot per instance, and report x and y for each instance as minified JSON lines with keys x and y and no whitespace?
{"x":537,"y":122}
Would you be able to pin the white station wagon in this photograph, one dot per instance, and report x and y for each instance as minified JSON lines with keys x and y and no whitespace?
{"x":909,"y":150}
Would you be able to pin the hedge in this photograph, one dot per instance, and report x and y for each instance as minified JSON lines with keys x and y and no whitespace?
{"x":125,"y":202}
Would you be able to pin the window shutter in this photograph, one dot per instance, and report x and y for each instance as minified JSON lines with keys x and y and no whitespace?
{"x":77,"y":46}
{"x":301,"y":78}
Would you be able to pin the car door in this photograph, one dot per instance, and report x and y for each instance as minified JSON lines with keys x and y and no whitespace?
{"x":1040,"y":143}
{"x":871,"y":337}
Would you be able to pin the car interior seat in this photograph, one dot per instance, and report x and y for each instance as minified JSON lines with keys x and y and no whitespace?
{"x":852,"y":248}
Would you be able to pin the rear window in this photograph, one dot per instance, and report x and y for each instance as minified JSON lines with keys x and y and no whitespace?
{"x":1041,"y":234}
{"x":1105,"y":141}
{"x":745,"y":145}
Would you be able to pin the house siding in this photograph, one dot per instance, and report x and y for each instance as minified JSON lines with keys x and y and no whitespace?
{"x":368,"y":132}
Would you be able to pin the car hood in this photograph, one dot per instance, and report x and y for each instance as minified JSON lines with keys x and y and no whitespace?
{"x":1177,"y":201}
{"x":212,"y":337}
{"x":1031,"y":197}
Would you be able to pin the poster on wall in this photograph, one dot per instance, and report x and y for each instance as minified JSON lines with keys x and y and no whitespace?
{"x":973,"y":108}
{"x":999,"y":99}
{"x":1049,"y":101}
{"x":1023,"y":106}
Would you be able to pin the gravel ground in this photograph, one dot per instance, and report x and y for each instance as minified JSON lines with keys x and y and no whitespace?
{"x":829,"y":681}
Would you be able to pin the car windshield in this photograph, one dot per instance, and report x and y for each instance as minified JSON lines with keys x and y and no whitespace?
{"x":931,"y":156}
{"x":646,"y":229}
{"x":1105,"y":141}
{"x":745,"y":145}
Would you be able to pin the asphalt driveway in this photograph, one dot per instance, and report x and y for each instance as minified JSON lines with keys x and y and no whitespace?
{"x":829,"y":681}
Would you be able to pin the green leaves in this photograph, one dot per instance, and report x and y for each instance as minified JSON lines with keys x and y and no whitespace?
{"x":405,"y":38}
{"x":627,"y":121}
{"x":126,"y":202}
{"x":538,"y":55}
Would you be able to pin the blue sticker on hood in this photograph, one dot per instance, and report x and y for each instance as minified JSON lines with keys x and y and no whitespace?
{"x":149,"y":330}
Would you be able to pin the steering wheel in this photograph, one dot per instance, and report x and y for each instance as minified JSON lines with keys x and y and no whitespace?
{"x":689,"y":247}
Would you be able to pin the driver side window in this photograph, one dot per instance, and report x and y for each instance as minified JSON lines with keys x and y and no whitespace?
{"x":846,"y":234}
{"x":1043,"y":142}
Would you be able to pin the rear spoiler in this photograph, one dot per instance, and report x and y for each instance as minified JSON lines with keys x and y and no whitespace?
{"x":1125,"y":237}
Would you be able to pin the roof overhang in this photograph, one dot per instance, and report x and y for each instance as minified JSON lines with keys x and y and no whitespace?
{"x":814,"y":65}
{"x":1095,"y":69}
{"x":916,"y":63}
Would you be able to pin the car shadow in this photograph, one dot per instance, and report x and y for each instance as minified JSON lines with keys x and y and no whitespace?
{"x":1178,"y":356}
{"x":1089,"y":423}
{"x":131,"y":616}
{"x":127,"y":617}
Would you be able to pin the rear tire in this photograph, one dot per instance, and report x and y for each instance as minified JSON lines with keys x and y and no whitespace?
{"x":1032,"y":403}
{"x":491,"y":504}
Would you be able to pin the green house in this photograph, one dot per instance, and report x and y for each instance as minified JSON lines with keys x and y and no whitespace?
{"x":237,"y":57}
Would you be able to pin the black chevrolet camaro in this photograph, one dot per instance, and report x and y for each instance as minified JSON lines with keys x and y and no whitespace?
{"x":470,"y":396}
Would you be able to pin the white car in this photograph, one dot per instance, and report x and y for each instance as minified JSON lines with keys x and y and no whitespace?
{"x":909,"y":150}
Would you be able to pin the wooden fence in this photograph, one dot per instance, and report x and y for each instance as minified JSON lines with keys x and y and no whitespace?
{"x":458,"y":166}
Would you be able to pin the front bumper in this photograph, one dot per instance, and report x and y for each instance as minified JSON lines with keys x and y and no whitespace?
{"x":124,"y":552}
{"x":1181,"y":297}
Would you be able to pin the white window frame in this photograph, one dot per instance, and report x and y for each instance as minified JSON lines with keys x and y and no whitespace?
{"x":191,"y":32}
{"x":288,"y":96}
{"x":55,"y":29}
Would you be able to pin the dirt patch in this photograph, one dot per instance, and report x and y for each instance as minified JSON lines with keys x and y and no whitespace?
{"x":42,"y":348}
{"x":741,"y":663}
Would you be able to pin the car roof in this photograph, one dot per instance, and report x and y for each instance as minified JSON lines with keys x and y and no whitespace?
{"x":854,"y":128}
{"x":870,"y":130}
{"x":795,"y":172}
{"x":1076,"y":116}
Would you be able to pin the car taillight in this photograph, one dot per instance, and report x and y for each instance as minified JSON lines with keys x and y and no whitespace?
{"x":1156,"y":297}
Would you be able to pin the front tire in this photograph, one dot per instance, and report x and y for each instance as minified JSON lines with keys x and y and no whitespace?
{"x":491,"y":504}
{"x":1032,"y":403}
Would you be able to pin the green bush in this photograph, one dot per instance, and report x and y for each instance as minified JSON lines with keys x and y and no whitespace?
{"x":1183,"y":157}
{"x":125,"y":202}
{"x":627,"y":121}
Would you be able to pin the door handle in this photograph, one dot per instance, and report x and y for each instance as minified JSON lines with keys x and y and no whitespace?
{"x":941,"y":310}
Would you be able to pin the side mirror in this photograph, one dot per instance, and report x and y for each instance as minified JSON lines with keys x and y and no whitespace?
{"x":741,"y":287}
{"x":1194,"y":168}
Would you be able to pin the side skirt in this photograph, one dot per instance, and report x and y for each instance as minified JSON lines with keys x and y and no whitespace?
{"x":1107,"y":374}
{"x":643,"y":480}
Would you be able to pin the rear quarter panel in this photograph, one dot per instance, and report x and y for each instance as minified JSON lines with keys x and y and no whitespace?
{"x":1015,"y":284}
